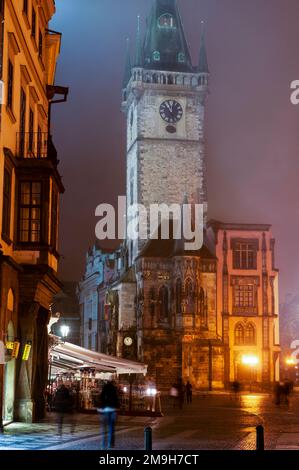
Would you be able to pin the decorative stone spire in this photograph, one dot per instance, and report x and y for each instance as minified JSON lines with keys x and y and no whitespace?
{"x":203,"y":66}
{"x":128,"y":66}
{"x":165,"y":46}
{"x":138,"y":56}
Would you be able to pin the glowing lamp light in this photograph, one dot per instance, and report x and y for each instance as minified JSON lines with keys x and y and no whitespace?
{"x":125,"y":389}
{"x":151,"y":392}
{"x":290,"y":361}
{"x":250,"y":360}
{"x":65,"y":331}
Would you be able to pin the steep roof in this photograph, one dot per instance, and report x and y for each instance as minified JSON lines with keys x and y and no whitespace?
{"x":165,"y":46}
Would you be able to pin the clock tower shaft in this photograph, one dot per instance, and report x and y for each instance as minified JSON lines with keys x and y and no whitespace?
{"x":164,"y":100}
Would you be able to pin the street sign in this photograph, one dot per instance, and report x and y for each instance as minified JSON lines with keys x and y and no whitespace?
{"x":26,"y":351}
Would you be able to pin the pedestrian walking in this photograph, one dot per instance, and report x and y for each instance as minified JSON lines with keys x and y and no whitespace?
{"x":189,"y":392}
{"x":174,"y":394}
{"x":62,"y":404}
{"x":109,"y":404}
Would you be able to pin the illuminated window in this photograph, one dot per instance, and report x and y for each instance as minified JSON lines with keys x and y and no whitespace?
{"x":25,"y":7}
{"x":181,"y":57}
{"x":244,"y":296}
{"x":166,"y":21}
{"x":156,"y":56}
{"x":245,"y":255}
{"x":239,"y":335}
{"x":250,"y":339}
{"x":30,"y":212}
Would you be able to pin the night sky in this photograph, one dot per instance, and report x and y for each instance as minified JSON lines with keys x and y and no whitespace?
{"x":252,"y":128}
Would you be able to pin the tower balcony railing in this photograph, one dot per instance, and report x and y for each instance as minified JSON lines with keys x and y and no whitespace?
{"x":35,"y":145}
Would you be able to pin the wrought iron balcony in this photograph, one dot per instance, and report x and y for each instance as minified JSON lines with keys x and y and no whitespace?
{"x":35,"y":145}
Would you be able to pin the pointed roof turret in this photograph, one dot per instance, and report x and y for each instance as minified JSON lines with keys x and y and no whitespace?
{"x":165,"y":46}
{"x":203,"y":66}
{"x":128,"y":66}
{"x":138,"y":56}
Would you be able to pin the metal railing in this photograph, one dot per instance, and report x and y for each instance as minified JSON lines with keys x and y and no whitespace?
{"x":32,"y":145}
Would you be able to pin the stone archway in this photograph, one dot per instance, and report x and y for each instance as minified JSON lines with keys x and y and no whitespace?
{"x":9,"y":381}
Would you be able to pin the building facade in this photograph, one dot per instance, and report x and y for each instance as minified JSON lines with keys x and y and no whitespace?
{"x":92,"y":300}
{"x":30,"y":188}
{"x":210,"y":315}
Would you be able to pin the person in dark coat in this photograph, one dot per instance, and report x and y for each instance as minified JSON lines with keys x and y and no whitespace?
{"x":109,"y":404}
{"x":62,"y":404}
{"x":189,"y":392}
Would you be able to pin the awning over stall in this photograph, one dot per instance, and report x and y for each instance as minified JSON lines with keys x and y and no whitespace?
{"x":70,"y":357}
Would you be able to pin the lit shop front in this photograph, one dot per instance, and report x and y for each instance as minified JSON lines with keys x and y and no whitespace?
{"x":85,"y":371}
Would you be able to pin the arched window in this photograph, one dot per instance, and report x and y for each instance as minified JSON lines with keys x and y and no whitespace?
{"x":156,"y":56}
{"x":189,"y":289}
{"x":163,"y":303}
{"x":239,"y":335}
{"x":155,"y":78}
{"x":170,"y":80}
{"x":152,"y":300}
{"x":178,"y":296}
{"x":166,"y":21}
{"x":250,"y":335}
{"x":163,"y":79}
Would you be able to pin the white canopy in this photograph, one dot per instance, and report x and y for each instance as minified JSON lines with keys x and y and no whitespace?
{"x":67,"y":356}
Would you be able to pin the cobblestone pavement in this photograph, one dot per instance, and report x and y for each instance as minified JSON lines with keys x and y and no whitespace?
{"x":212,"y":422}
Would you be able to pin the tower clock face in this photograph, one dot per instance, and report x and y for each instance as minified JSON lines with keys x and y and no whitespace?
{"x":171,"y":111}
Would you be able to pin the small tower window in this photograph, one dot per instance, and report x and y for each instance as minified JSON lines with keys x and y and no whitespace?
{"x":166,"y":21}
{"x":156,"y":56}
{"x":181,"y":57}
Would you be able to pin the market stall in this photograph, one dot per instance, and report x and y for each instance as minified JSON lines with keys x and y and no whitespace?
{"x":84,"y":371}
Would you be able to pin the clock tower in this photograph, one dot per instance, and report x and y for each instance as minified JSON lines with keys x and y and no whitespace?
{"x":164,"y":99}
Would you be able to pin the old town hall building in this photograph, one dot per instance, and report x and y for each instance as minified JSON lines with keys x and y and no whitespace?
{"x":210,"y":316}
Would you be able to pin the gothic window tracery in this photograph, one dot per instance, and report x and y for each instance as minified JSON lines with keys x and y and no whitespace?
{"x":239,"y":335}
{"x":250,"y":337}
{"x":178,"y":293}
{"x":163,"y":303}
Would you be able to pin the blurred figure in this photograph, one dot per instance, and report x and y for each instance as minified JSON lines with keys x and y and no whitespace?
{"x":174,"y":394}
{"x":236,"y":387}
{"x":109,"y":404}
{"x":189,"y":392}
{"x":277,"y":393}
{"x":181,"y":391}
{"x":63,"y":404}
{"x":287,"y":389}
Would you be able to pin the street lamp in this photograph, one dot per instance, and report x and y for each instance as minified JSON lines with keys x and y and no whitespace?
{"x":251,"y":361}
{"x":65,"y":329}
{"x":290,"y":368}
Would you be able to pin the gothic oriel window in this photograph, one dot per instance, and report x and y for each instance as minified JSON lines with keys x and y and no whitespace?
{"x":250,"y":338}
{"x":164,"y":303}
{"x":203,"y":308}
{"x":156,"y":56}
{"x":244,"y":255}
{"x":178,"y":296}
{"x":239,"y":335}
{"x":166,"y":21}
{"x":29,"y":229}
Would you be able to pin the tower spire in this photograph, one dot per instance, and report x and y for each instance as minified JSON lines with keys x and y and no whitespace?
{"x":128,"y":67}
{"x":165,"y":46}
{"x":138,"y":57}
{"x":203,"y":66}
